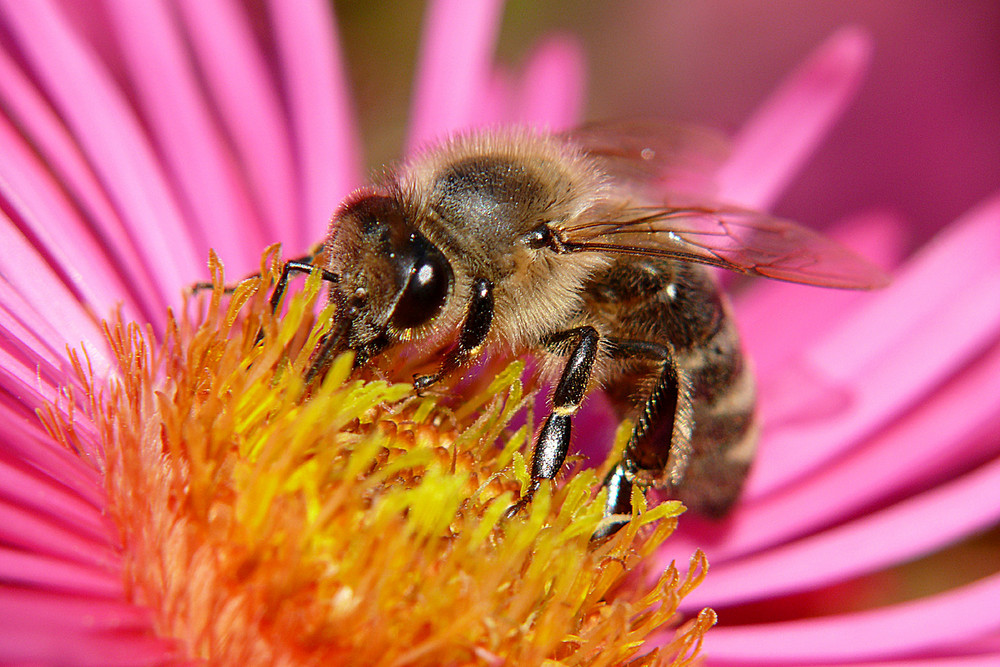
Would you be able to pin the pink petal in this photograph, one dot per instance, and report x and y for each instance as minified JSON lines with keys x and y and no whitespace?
{"x":32,"y":532}
{"x":966,"y":661}
{"x":99,"y":117}
{"x":42,"y":300}
{"x":916,"y":526}
{"x":31,"y":570}
{"x":933,"y":312}
{"x":323,"y":126}
{"x":495,"y":105}
{"x":27,"y":352}
{"x":548,"y":93}
{"x":776,"y":141}
{"x":777,"y":320}
{"x":25,"y":441}
{"x":453,"y":71}
{"x":40,"y":126}
{"x":551,"y":92}
{"x":196,"y":160}
{"x":39,"y":493}
{"x":248,"y":106}
{"x":91,"y":631}
{"x":35,"y":200}
{"x":939,"y":623}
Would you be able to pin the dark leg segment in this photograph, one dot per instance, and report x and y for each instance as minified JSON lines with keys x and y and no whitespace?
{"x":651,"y":443}
{"x":329,"y":347}
{"x":553,"y":440}
{"x":618,"y":503}
{"x":477,"y":324}
{"x":295,"y":266}
{"x":301,"y":265}
{"x":207,"y":286}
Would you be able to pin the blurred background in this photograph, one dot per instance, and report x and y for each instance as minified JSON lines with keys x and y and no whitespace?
{"x":922,"y":139}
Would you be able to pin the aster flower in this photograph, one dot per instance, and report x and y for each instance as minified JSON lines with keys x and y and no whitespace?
{"x":173,"y":498}
{"x":127,"y":158}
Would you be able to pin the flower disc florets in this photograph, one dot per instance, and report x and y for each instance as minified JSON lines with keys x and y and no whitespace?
{"x":353,"y":521}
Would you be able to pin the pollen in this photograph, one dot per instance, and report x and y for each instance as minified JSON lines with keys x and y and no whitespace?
{"x":354,"y":521}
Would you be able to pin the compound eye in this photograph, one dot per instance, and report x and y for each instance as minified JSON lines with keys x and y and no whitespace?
{"x":426,"y":287}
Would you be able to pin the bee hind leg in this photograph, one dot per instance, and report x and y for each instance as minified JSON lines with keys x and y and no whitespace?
{"x":653,"y":448}
{"x":618,"y":506}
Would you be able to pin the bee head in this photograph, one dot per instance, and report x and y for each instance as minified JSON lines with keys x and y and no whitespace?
{"x":392,"y":278}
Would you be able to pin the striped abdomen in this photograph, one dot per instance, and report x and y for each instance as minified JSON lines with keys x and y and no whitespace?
{"x":694,"y":429}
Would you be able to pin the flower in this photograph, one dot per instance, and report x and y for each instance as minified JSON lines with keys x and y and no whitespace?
{"x":137,"y":136}
{"x":171,"y":497}
{"x":363,"y":525}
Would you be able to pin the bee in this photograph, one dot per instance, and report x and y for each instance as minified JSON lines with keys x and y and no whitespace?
{"x":563,"y":246}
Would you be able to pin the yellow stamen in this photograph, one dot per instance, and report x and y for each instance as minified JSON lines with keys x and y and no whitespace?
{"x":354,"y":522}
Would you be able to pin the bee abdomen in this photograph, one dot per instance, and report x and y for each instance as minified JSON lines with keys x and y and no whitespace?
{"x":699,"y":446}
{"x":723,"y":429}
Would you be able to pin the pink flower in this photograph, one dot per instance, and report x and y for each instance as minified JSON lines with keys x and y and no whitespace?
{"x":136,"y":136}
{"x":919,"y":137}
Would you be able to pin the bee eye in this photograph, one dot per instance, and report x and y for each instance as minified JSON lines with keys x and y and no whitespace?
{"x":426,"y":287}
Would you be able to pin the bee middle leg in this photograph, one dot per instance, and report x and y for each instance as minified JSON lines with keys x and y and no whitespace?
{"x":553,"y":440}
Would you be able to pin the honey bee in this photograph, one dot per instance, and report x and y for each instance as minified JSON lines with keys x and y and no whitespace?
{"x":560,"y":245}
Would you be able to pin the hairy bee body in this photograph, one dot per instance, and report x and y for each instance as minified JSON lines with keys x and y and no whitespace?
{"x":555,"y":245}
{"x":712,"y":436}
{"x":479,"y":197}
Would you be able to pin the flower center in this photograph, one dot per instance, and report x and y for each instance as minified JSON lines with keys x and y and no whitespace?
{"x":266,"y":522}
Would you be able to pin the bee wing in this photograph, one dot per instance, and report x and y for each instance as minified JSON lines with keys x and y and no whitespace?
{"x":654,"y":156}
{"x":731,"y":238}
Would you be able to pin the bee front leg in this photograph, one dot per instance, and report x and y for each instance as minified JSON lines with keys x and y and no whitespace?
{"x":553,"y":440}
{"x":301,"y":265}
{"x":478,"y":320}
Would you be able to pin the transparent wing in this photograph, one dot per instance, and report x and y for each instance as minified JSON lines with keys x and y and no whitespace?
{"x":654,"y":156}
{"x":730,"y":238}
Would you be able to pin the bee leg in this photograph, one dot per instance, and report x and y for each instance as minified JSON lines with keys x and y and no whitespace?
{"x":229,"y":289}
{"x":207,"y":286}
{"x":478,"y":320}
{"x":652,"y":445}
{"x":618,"y":506}
{"x":301,"y":265}
{"x":328,"y":348}
{"x":280,"y":287}
{"x":553,"y":439}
